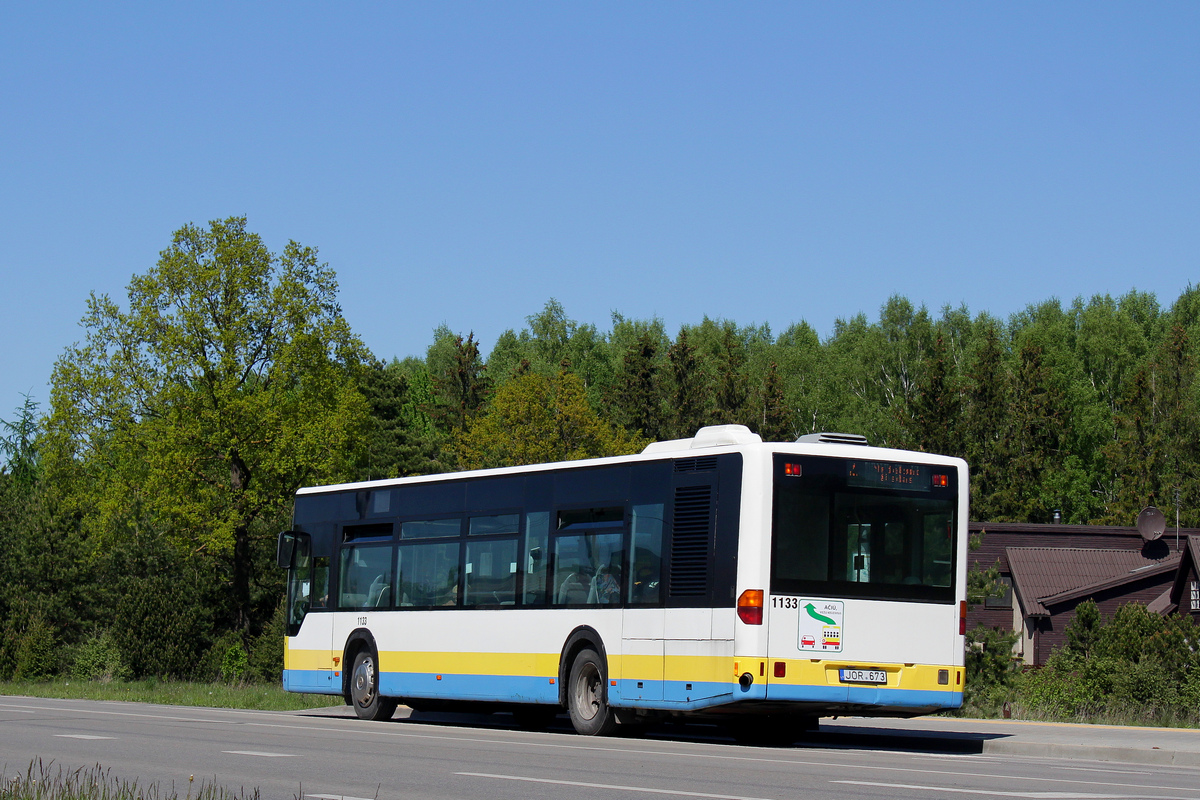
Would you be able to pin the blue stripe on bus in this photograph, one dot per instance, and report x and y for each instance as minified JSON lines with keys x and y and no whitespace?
{"x":492,"y":688}
{"x":653,"y":694}
{"x":312,"y":681}
{"x":911,"y":699}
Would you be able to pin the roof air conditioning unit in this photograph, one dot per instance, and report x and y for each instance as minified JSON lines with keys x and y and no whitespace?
{"x":833,"y":438}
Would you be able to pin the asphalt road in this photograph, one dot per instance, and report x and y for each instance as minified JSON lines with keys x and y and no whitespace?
{"x":325,"y":755}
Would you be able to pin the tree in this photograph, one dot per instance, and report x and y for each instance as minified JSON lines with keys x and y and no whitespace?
{"x":688,"y":392}
{"x":1083,"y":631}
{"x":229,"y":382}
{"x":733,"y":392}
{"x":934,"y":414}
{"x":534,"y":419}
{"x":985,"y":421}
{"x":637,"y":394}
{"x":18,"y":446}
{"x":1156,"y":449}
{"x":402,"y":439}
{"x":459,"y":378}
{"x":775,"y":422}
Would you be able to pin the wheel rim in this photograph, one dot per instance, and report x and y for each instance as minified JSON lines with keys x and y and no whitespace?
{"x":364,"y":682}
{"x":588,"y":692}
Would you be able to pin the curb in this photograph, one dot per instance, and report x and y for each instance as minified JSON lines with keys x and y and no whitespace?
{"x":1126,"y":755}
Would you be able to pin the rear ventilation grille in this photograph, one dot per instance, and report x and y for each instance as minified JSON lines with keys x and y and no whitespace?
{"x":702,"y":464}
{"x":833,"y":438}
{"x":689,"y":541}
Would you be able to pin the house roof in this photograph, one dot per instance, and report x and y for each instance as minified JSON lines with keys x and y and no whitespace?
{"x":1062,"y":529}
{"x":1169,"y":564}
{"x":1189,"y":565}
{"x":1057,"y":574}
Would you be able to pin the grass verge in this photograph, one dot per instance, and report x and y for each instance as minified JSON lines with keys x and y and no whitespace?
{"x":259,"y":697}
{"x":47,"y":782}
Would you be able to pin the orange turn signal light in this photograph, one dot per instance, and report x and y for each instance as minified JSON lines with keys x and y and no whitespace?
{"x":750,"y":607}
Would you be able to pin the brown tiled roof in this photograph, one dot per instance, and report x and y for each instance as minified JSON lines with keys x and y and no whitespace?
{"x":1043,"y":573}
{"x":1169,"y":564}
{"x":1190,"y":563}
{"x":1162,"y":604}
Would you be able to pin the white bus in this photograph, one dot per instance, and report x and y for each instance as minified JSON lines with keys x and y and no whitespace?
{"x":719,"y":575}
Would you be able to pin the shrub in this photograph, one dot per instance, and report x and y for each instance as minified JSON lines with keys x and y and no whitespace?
{"x":266,"y":652}
{"x":99,"y":659}
{"x":234,"y":664}
{"x":37,"y":651}
{"x":992,"y":671}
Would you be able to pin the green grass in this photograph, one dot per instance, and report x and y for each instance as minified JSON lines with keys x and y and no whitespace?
{"x":176,"y":693}
{"x":47,"y":782}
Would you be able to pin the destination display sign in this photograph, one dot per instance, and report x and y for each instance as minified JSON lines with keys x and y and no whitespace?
{"x":889,"y":475}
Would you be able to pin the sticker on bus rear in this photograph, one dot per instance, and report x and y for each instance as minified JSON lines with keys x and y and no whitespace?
{"x":820,"y":626}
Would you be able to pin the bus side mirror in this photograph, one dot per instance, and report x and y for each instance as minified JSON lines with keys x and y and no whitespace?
{"x":284,"y":549}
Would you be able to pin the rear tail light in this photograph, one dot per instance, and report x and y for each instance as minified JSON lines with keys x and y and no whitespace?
{"x":750,"y":607}
{"x":962,"y":618}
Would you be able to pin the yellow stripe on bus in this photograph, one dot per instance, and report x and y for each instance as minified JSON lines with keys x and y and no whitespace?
{"x":694,"y":669}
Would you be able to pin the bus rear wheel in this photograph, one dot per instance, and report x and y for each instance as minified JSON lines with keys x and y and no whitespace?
{"x":364,"y":689}
{"x":587,"y":696}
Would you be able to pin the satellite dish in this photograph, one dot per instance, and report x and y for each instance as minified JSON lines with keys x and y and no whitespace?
{"x":1151,"y":523}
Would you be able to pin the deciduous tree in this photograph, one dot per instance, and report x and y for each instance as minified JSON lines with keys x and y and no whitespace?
{"x":535,"y":419}
{"x":228,"y":382}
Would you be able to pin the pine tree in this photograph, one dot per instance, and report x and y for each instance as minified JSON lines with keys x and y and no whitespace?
{"x":637,"y":396}
{"x":935,"y":414}
{"x":775,"y":424}
{"x":688,"y":396}
{"x":985,"y":424}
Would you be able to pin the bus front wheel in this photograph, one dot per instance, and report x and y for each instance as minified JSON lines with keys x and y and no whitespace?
{"x":364,"y":689}
{"x":587,"y":696}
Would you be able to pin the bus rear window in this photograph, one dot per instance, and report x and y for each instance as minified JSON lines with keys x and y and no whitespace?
{"x":837,"y":534}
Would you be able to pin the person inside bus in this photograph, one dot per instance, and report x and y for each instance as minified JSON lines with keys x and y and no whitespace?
{"x":606,"y":583}
{"x":645,"y":581}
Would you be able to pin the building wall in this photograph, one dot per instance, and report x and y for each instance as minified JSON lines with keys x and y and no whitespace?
{"x":1040,"y":637}
{"x":1052,"y":631}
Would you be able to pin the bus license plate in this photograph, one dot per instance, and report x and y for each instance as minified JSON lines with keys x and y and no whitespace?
{"x":863,"y":676}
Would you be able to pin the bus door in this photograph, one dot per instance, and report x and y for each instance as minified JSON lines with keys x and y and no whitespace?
{"x":308,"y":654}
{"x":643,"y":620}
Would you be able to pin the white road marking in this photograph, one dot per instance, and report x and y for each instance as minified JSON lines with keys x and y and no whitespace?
{"x":337,"y":797}
{"x":389,"y":730}
{"x":618,"y":787}
{"x":997,"y":793}
{"x":80,"y":736}
{"x":259,"y":753}
{"x":1116,"y":771}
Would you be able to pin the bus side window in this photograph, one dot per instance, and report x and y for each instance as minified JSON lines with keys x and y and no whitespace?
{"x":429,"y":574}
{"x":646,"y":561}
{"x":320,"y":582}
{"x":366,"y":577}
{"x":300,"y":582}
{"x":537,"y":534}
{"x":587,"y":569}
{"x":490,"y":577}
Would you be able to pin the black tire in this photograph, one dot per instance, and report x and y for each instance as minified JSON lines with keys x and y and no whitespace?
{"x":587,"y":695}
{"x":364,"y":689}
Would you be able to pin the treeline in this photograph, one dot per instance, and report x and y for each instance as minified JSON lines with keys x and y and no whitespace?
{"x":138,"y":513}
{"x":1088,"y":409}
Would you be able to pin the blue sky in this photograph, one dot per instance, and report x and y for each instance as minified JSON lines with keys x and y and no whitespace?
{"x":462,"y":163}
